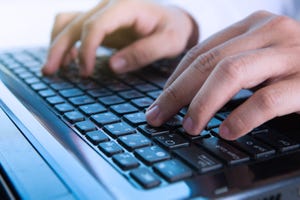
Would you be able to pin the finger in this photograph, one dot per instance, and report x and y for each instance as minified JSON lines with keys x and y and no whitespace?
{"x":101,"y":25}
{"x":143,"y":52}
{"x":66,"y":40}
{"x":69,"y":57}
{"x":216,"y":39}
{"x":61,"y":21}
{"x":244,"y":70}
{"x":275,"y":100}
{"x":185,"y":87}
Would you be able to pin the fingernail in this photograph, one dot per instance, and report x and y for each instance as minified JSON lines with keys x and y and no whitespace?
{"x":118,"y":64}
{"x":152,"y":113}
{"x":224,"y":132}
{"x":188,"y":125}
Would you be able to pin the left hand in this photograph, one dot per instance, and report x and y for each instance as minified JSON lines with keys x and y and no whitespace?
{"x":262,"y":50}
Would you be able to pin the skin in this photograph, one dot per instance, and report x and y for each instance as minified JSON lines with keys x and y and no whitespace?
{"x":261,"y":51}
{"x":137,"y":28}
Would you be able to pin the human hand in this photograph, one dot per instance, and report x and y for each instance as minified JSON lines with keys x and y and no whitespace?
{"x":142,"y":30}
{"x":260,"y":51}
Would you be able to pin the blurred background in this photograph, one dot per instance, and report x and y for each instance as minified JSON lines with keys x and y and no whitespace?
{"x":26,"y":23}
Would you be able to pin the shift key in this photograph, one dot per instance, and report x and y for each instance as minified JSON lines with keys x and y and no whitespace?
{"x":198,"y":159}
{"x":223,"y":150}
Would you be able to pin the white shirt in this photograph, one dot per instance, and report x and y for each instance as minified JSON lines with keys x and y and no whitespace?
{"x":214,"y":15}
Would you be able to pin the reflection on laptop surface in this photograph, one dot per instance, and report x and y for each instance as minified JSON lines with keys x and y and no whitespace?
{"x":65,"y":137}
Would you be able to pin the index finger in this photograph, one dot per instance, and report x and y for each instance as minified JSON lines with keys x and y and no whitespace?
{"x":101,"y":25}
{"x":181,"y":92}
{"x":216,"y":39}
{"x":66,"y":39}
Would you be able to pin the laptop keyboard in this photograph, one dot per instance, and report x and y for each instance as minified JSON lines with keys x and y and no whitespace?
{"x":108,"y":113}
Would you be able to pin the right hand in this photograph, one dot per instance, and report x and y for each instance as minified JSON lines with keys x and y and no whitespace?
{"x":142,"y":31}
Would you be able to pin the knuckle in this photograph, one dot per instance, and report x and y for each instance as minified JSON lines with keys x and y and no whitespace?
{"x":280,"y":23}
{"x":206,"y":61}
{"x":193,"y":53}
{"x":173,"y":97}
{"x":238,"y":123}
{"x":89,"y":25}
{"x":232,"y":68}
{"x":171,"y":94}
{"x":281,"y":20}
{"x":260,"y":14}
{"x":267,"y":100}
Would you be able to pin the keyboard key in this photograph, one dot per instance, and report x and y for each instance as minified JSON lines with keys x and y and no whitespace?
{"x":134,"y":141}
{"x":101,"y":92}
{"x":158,"y":81}
{"x":171,"y":140}
{"x":278,"y":141}
{"x":198,"y":159}
{"x":152,"y":131}
{"x":97,"y":136}
{"x":223,"y":115}
{"x":130,"y":79}
{"x":173,"y":170}
{"x":118,"y":86}
{"x":142,"y":102}
{"x":111,"y":100}
{"x":26,"y":75}
{"x":135,"y":118}
{"x":47,"y":93}
{"x":174,"y":122}
{"x":31,"y":80}
{"x":70,"y":92}
{"x":39,"y":86}
{"x":152,"y":154}
{"x":203,"y":134}
{"x":254,"y":147}
{"x":131,"y":94}
{"x":61,"y":85}
{"x":51,"y":79}
{"x":81,"y":100}
{"x":110,"y":148}
{"x":154,"y":94}
{"x":85,"y":126}
{"x":87,"y":84}
{"x":38,"y":74}
{"x":74,"y":116}
{"x":147,"y":87}
{"x":213,"y":123}
{"x":19,"y":70}
{"x":55,"y":100}
{"x":145,"y":177}
{"x":64,"y":107}
{"x":125,"y":161}
{"x":183,"y":111}
{"x":124,"y":108}
{"x":223,"y":150}
{"x":91,"y":109}
{"x":105,"y":118}
{"x":119,"y":129}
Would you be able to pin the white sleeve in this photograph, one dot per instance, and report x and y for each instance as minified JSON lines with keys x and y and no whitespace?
{"x":214,"y":15}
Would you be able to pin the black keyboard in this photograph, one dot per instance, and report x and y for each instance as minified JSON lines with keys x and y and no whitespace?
{"x":108,"y":113}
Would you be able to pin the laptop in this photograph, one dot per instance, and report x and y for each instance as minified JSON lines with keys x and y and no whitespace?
{"x":65,"y":137}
